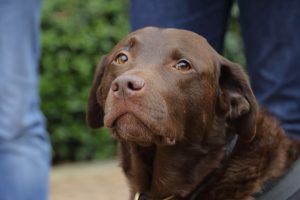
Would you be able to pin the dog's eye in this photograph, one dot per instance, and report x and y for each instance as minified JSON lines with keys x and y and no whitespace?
{"x":183,"y":65}
{"x":121,"y":58}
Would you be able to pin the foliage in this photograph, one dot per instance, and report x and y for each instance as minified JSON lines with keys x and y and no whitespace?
{"x":75,"y":34}
{"x":233,"y":47}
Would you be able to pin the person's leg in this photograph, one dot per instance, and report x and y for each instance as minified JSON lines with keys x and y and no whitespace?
{"x":205,"y":17}
{"x":271,"y":32}
{"x":24,"y":146}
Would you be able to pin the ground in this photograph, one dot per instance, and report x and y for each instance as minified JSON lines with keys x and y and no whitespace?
{"x":92,"y":181}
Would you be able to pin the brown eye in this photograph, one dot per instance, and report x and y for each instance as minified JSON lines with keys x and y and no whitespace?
{"x":121,"y":58}
{"x":183,"y":65}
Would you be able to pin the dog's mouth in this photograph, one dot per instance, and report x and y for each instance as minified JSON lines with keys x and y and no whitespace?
{"x":129,"y":126}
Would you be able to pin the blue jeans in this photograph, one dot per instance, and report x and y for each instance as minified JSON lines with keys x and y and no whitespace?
{"x":24,"y":143}
{"x":271,"y":33}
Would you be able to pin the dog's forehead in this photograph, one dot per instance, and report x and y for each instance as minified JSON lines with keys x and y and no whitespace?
{"x":156,"y":42}
{"x":168,"y":35}
{"x":159,"y":38}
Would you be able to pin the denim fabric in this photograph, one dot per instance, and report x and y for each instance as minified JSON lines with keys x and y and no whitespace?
{"x":205,"y":17}
{"x":271,"y":33}
{"x":24,"y":144}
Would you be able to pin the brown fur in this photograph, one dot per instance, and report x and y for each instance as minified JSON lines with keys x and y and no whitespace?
{"x":173,"y":126}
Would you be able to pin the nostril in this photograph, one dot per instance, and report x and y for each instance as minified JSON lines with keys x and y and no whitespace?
{"x":130,"y":86}
{"x":115,"y":87}
{"x":135,"y":84}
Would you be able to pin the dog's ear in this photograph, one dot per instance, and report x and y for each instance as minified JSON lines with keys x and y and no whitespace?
{"x":236,"y":99}
{"x":94,"y":115}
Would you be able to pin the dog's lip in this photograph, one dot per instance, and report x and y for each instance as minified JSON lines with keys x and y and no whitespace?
{"x":110,"y":119}
{"x":109,"y":122}
{"x":123,"y":114}
{"x":112,"y":116}
{"x":119,"y":109}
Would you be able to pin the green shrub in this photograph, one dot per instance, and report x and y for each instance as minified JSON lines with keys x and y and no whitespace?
{"x":233,"y":47}
{"x":75,"y":34}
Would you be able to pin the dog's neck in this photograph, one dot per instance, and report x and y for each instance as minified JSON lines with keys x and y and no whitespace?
{"x":181,"y":169}
{"x":161,"y":171}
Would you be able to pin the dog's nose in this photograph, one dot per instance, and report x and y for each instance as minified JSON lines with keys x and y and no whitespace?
{"x":126,"y":86}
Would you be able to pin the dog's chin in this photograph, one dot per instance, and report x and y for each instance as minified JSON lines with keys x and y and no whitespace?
{"x":129,"y":128}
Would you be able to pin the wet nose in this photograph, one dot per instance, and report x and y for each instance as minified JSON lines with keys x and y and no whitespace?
{"x":127,"y":86}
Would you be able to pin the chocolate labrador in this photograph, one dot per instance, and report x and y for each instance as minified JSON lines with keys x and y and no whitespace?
{"x":187,"y":123}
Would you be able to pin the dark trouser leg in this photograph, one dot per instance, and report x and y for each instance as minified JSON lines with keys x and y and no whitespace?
{"x":271,"y":31}
{"x":205,"y":17}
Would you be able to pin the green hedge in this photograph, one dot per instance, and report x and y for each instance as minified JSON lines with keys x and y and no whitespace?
{"x":75,"y":33}
{"x":233,"y":47}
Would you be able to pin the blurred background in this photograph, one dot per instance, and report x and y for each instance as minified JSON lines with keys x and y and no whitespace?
{"x":75,"y":34}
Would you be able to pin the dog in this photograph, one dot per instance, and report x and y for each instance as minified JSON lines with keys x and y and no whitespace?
{"x":186,"y":121}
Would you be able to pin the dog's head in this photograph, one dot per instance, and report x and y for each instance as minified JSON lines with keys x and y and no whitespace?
{"x":162,"y":85}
